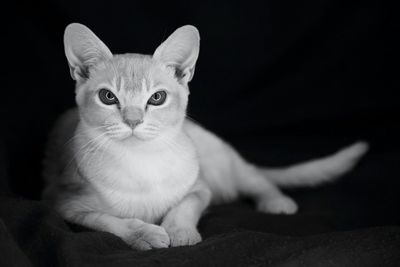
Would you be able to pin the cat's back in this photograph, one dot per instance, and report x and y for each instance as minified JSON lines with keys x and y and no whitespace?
{"x":59,"y":144}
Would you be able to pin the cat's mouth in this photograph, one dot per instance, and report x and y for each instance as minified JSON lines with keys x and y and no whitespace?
{"x":139,"y":132}
{"x":142,"y":134}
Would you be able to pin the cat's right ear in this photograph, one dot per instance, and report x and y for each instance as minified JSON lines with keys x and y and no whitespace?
{"x":83,"y":50}
{"x":180,"y":51}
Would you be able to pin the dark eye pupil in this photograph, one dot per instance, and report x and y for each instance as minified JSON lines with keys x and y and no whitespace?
{"x":157,"y":96}
{"x":109,"y":95}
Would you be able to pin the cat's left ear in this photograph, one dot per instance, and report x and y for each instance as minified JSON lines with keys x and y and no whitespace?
{"x":83,"y":50}
{"x":180,"y":51}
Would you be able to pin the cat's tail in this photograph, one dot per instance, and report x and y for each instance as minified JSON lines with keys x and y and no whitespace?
{"x":317,"y":171}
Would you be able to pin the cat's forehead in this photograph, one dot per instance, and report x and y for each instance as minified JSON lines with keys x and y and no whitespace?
{"x":129,"y":71}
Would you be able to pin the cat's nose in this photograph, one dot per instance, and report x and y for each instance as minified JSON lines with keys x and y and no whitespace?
{"x":133,"y":123}
{"x":132,"y":116}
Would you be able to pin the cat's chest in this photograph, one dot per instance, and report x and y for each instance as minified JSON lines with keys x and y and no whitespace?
{"x":145,"y":184}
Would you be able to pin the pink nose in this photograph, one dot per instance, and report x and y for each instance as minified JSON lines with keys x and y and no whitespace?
{"x":133,"y":123}
{"x":132,"y":116}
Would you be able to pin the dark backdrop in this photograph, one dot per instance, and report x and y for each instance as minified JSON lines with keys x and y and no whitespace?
{"x":282,"y":81}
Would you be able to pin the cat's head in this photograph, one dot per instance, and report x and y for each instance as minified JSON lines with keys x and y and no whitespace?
{"x":132,"y":95}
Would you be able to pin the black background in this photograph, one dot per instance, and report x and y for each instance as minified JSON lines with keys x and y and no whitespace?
{"x":283,"y":81}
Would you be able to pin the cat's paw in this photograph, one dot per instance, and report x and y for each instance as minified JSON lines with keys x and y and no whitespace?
{"x":183,"y":236}
{"x":148,"y":236}
{"x":277,"y":205}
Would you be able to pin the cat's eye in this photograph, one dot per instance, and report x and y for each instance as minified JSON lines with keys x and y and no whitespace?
{"x":107,"y":97}
{"x":157,"y":98}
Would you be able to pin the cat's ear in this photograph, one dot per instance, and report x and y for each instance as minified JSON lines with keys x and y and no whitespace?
{"x":83,"y":50}
{"x":180,"y":51}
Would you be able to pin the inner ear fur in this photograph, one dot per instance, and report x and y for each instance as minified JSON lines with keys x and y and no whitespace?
{"x":180,"y":50}
{"x":83,"y":50}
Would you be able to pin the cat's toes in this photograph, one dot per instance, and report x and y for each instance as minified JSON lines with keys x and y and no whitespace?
{"x":149,"y":236}
{"x":278,"y":205}
{"x":183,"y":236}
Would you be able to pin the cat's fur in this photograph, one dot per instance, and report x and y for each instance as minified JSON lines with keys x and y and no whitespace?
{"x":150,"y":183}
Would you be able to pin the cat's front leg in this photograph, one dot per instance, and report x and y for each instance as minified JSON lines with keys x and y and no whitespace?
{"x":136,"y":233}
{"x":181,"y":221}
{"x":145,"y":236}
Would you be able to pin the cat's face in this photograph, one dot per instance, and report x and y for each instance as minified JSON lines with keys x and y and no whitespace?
{"x":132,"y":95}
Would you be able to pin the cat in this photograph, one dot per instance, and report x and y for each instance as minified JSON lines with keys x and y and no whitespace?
{"x":128,"y":161}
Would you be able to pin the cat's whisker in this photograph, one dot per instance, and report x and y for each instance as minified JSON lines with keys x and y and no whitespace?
{"x":114,"y":126}
{"x":86,"y":146}
{"x":93,"y":152}
{"x":152,"y":128}
{"x":80,"y":133}
{"x":118,"y":132}
{"x":152,"y":125}
{"x":103,"y":147}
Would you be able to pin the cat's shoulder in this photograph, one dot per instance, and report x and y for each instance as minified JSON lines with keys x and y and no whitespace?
{"x":200,"y":135}
{"x":193,"y":128}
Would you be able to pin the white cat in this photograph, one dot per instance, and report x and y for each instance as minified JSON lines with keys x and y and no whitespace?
{"x":127,"y":161}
